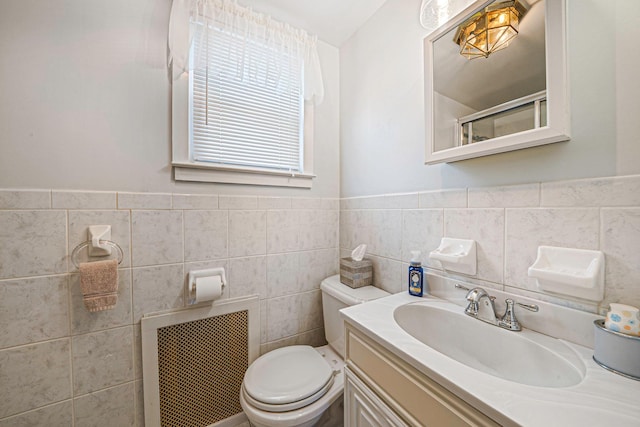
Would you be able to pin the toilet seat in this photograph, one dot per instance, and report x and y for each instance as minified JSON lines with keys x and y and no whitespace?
{"x":286,"y":407}
{"x":286,"y":379}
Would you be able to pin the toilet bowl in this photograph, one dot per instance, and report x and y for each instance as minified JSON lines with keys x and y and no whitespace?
{"x":294,"y":385}
{"x":286,"y":406}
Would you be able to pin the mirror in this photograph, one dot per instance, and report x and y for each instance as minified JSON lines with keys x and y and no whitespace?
{"x":496,"y":80}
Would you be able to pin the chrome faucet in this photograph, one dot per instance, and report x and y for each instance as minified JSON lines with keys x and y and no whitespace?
{"x":482,"y":307}
{"x":509,"y":321}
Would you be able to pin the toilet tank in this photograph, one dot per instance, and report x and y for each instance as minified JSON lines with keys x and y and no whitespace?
{"x":336,"y":296}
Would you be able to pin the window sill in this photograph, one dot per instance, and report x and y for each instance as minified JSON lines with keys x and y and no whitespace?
{"x":235,"y":175}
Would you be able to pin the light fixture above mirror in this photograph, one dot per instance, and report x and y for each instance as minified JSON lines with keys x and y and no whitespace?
{"x":517,"y":98}
{"x":490,"y":29}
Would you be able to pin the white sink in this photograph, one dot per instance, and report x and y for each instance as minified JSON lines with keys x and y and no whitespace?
{"x":524,"y":357}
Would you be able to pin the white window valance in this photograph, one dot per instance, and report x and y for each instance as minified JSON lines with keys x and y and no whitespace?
{"x":280,"y":37}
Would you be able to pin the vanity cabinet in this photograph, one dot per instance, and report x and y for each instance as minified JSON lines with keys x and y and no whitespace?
{"x":363,"y":408}
{"x":383,"y":390}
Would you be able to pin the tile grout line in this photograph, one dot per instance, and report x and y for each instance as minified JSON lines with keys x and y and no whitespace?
{"x":70,"y":325}
{"x":504,"y":248}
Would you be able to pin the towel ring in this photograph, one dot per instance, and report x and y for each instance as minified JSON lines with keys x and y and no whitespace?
{"x":83,"y":245}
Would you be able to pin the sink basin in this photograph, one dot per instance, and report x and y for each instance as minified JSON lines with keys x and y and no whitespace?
{"x":525,"y":357}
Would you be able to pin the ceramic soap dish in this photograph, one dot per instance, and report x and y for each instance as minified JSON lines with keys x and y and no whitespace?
{"x":573,"y":272}
{"x":458,"y":255}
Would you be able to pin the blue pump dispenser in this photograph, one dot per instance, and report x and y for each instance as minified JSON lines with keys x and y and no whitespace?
{"x":416,"y":275}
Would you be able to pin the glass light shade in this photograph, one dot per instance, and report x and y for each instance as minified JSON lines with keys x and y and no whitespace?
{"x":489,"y":30}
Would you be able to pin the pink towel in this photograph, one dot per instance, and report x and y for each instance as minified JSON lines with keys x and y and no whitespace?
{"x":99,"y":284}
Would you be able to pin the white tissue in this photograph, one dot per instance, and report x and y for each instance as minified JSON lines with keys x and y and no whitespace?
{"x":206,"y":289}
{"x":358,"y":253}
{"x":205,"y":285}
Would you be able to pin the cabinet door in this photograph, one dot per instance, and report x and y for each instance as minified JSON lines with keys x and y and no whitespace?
{"x":363,"y":408}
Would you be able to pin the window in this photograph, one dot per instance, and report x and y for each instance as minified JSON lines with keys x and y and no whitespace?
{"x":239,"y":112}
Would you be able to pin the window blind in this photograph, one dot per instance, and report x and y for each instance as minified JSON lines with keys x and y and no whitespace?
{"x":246,"y":106}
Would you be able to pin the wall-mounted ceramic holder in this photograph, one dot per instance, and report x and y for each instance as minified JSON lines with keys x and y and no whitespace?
{"x":572,"y":272}
{"x":97,"y":234}
{"x":205,"y":285}
{"x":98,"y":244}
{"x":458,"y":255}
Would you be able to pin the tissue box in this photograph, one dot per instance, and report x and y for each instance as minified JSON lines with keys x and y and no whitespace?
{"x":356,"y":274}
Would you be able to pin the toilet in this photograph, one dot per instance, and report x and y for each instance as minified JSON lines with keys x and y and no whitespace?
{"x":295,"y":385}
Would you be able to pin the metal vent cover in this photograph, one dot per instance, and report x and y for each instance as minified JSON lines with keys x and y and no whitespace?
{"x":201,"y":366}
{"x":194,"y":362}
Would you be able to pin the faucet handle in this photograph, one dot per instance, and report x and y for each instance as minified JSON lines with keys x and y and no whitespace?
{"x":530,"y":307}
{"x":509,"y":320}
{"x":459,"y":286}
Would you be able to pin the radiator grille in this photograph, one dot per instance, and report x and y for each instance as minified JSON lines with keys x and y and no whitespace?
{"x":201,"y":365}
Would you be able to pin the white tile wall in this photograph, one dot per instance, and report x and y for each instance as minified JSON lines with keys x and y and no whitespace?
{"x":83,"y":200}
{"x":25,"y":381}
{"x":274,"y":203}
{"x":238,"y":202}
{"x":529,"y":228}
{"x":115,"y":404}
{"x":527,"y":195}
{"x":157,"y":237}
{"x":247,"y":233}
{"x":58,"y":415}
{"x":619,"y":239}
{"x":486,"y":227}
{"x":601,"y":192}
{"x":195,"y":201}
{"x":205,"y":235}
{"x":34,"y":309}
{"x":283,"y":230}
{"x":33,"y":243}
{"x":25,"y":199}
{"x":422,"y":230}
{"x":157,"y":288}
{"x":102,"y":359}
{"x":277,"y":247}
{"x":144,"y":200}
{"x":508,"y":224}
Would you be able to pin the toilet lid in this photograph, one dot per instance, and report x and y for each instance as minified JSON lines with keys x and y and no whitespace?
{"x":287,"y":375}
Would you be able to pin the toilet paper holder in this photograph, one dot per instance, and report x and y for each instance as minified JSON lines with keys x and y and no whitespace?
{"x":196,"y":274}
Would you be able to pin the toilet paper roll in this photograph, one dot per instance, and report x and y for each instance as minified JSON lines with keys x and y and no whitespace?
{"x":206,"y":289}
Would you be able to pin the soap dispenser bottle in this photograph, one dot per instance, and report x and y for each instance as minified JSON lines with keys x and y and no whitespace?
{"x":416,"y":275}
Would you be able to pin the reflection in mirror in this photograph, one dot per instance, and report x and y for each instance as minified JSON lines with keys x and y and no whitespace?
{"x":496,"y":79}
{"x":489,"y":74}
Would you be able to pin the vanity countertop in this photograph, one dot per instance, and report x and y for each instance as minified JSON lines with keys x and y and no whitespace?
{"x":602,"y":398}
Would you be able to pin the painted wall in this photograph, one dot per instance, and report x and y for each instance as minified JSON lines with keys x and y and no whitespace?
{"x":382,"y":106}
{"x":86,"y":101}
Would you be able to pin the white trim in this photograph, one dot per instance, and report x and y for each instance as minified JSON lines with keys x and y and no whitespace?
{"x":199,"y":173}
{"x":558,"y":122}
{"x":232,"y":421}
